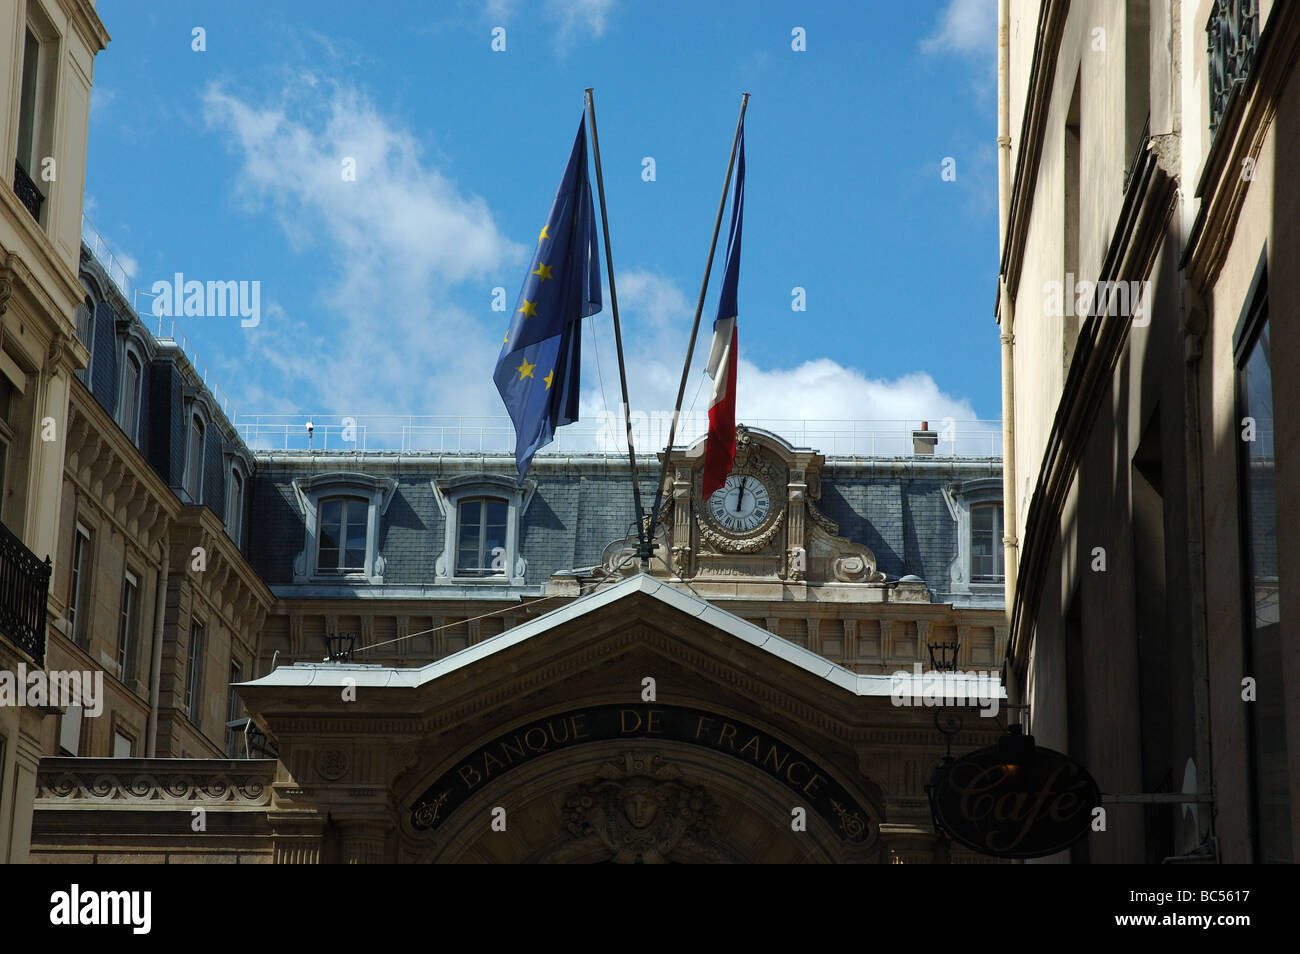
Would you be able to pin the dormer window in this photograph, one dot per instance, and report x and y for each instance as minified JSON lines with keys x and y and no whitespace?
{"x":235,"y":507}
{"x":342,"y":513}
{"x":986,"y":543}
{"x":341,"y":535}
{"x":194,"y":459}
{"x":129,"y":401}
{"x":483,"y":513}
{"x":85,"y":321}
{"x":481,"y":536}
{"x":977,"y":571}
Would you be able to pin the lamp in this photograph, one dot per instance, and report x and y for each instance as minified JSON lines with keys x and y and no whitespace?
{"x":947,"y":659}
{"x":341,"y":646}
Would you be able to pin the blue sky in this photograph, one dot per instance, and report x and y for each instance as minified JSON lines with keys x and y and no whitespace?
{"x":376,"y":293}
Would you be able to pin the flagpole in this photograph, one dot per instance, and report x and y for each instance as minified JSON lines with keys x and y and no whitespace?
{"x":695,"y":326}
{"x":643,"y":549}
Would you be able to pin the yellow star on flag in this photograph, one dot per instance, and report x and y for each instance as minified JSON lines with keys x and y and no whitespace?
{"x":542,"y":270}
{"x":548,"y":378}
{"x":529,"y":309}
{"x":542,"y":234}
{"x":526,"y":370}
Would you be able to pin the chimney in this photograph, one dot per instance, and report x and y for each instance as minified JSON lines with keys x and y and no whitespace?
{"x":924,"y":440}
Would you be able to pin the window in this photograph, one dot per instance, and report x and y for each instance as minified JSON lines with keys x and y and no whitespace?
{"x":35,"y":112}
{"x":194,"y":460}
{"x":233,"y":708}
{"x":342,"y":514}
{"x":235,"y":506}
{"x":341,"y":534}
{"x":79,"y":590}
{"x":27,"y":105}
{"x":128,"y":628}
{"x":85,"y":321}
{"x":986,"y":543}
{"x":482,"y":515}
{"x":70,"y":731}
{"x":1257,"y":509}
{"x":129,"y":401}
{"x":481,"y":540}
{"x":122,"y":745}
{"x":6,"y":433}
{"x":194,"y":672}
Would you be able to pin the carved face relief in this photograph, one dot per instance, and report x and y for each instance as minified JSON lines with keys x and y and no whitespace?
{"x":640,"y":805}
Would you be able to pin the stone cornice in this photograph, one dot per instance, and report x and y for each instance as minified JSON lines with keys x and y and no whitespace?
{"x":126,"y":784}
{"x":1240,"y":137}
{"x":1144,"y":217}
{"x":13,"y":265}
{"x":89,"y":25}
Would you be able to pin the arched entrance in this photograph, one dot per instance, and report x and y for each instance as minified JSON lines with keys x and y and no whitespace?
{"x":636,"y":784}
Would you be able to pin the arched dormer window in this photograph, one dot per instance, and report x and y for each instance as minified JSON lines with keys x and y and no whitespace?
{"x":85,"y":321}
{"x":976,"y":505}
{"x":483,"y":515}
{"x":128,"y":400}
{"x":481,"y":536}
{"x":341,"y":513}
{"x":342,"y":524}
{"x":196,"y":434}
{"x":235,"y":507}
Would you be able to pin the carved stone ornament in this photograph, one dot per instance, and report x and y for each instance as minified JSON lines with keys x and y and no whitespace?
{"x":333,"y":764}
{"x":639,"y":811}
{"x":726,"y":543}
{"x":859,"y":567}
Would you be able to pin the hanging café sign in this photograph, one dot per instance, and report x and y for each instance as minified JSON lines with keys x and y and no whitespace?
{"x":1013,"y":799}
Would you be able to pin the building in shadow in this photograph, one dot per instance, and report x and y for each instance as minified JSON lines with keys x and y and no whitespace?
{"x":1149,"y":240}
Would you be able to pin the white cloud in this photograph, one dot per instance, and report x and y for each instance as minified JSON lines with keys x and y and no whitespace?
{"x":100,"y":97}
{"x":393,"y":244}
{"x":579,"y":16}
{"x":130,"y":264}
{"x":966,"y":26}
{"x":573,"y":19}
{"x":812,"y":403}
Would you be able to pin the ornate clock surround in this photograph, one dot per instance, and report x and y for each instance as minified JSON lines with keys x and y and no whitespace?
{"x":796,"y":543}
{"x":761,"y":468}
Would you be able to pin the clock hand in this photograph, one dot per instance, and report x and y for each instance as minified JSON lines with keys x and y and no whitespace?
{"x":740,"y":496}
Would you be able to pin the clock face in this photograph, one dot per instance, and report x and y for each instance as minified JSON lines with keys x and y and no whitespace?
{"x":741,"y":504}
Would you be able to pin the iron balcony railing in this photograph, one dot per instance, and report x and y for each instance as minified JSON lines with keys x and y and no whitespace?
{"x":24,"y":585}
{"x":1232,"y":33}
{"x":29,"y":194}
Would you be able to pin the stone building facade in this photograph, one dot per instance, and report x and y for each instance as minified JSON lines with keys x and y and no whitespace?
{"x":206,"y":602}
{"x":353,"y":656}
{"x":47,"y":55}
{"x":1149,"y":238}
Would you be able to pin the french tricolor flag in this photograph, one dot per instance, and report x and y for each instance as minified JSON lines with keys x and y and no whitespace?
{"x":720,"y":450}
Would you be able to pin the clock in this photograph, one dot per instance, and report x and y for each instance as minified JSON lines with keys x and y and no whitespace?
{"x":741,"y":505}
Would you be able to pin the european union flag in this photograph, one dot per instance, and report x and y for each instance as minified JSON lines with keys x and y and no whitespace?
{"x":539,"y":369}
